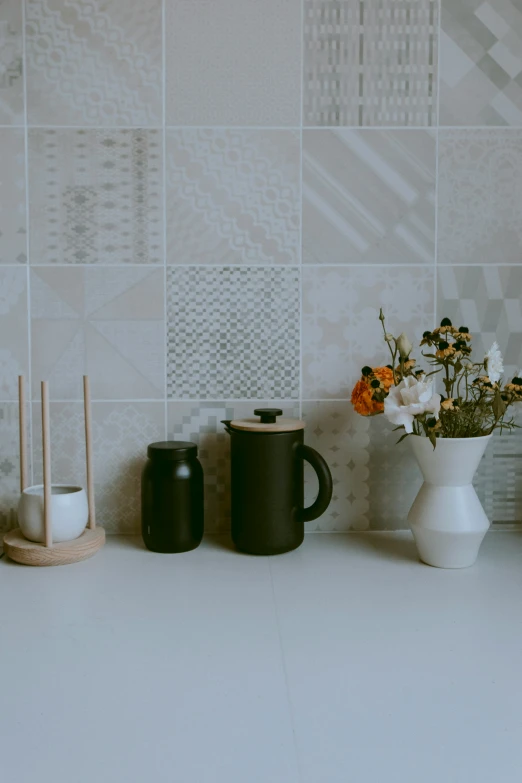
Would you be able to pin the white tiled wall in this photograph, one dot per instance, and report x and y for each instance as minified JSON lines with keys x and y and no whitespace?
{"x":204,"y":204}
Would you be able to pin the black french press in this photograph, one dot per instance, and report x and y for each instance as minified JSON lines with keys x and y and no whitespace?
{"x":267,"y":483}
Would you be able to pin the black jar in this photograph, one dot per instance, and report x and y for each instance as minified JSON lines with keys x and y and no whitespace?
{"x":172,"y":497}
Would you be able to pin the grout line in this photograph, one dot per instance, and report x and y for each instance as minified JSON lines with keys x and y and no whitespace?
{"x":35,"y":267}
{"x":377,"y":128}
{"x":436,"y":248}
{"x":164,"y":113}
{"x":232,"y":128}
{"x":481,"y":127}
{"x":284,"y":666}
{"x":160,"y":400}
{"x":27,"y":244}
{"x":301,"y":112}
{"x":97,"y":266}
{"x":107,"y":128}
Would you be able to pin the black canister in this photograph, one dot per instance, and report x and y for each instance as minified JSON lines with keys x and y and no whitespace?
{"x":172,"y":497}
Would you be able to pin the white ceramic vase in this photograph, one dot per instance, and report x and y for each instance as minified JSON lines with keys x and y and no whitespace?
{"x":69,"y":512}
{"x":447,"y":518}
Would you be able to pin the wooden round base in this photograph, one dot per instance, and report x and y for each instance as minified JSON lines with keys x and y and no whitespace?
{"x":31,"y":553}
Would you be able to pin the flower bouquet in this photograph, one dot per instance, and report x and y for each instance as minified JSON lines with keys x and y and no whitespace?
{"x":449,"y":432}
{"x":474,"y":404}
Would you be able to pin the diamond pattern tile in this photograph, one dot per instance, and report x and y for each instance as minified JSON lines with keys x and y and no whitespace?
{"x":481,"y":62}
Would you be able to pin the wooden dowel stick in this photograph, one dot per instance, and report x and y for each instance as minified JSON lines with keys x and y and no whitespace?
{"x":46,"y":446}
{"x":23,"y":432}
{"x":88,"y":451}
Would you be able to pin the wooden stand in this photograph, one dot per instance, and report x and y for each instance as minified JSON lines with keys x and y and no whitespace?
{"x":31,"y":553}
{"x":16,"y":546}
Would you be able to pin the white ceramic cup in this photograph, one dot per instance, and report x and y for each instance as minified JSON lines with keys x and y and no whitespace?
{"x":69,"y":512}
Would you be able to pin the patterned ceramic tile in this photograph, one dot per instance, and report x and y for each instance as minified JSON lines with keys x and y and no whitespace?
{"x":95,"y":196}
{"x":480,"y":192}
{"x":235,"y":62}
{"x":341,"y":327}
{"x":201,"y":423}
{"x":11,"y":63}
{"x":10,"y":463}
{"x":106,"y":322}
{"x":488,"y":300}
{"x":375,"y":480}
{"x":370,"y":63}
{"x":121,"y":432}
{"x":394,"y":477}
{"x":233,"y":332}
{"x":14,"y":340}
{"x":499,"y":481}
{"x":233,"y":196}
{"x":12,"y":197}
{"x":368,"y":196}
{"x":94,"y":62}
{"x":342,"y":438}
{"x":481,"y":62}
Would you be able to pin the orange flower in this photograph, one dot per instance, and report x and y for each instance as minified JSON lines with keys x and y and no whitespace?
{"x":385,"y":375}
{"x":380,"y":379}
{"x":362,"y":400}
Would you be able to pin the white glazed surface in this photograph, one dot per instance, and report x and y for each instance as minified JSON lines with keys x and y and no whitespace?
{"x":446,"y":517}
{"x":69,"y":512}
{"x":453,"y":462}
{"x":345,"y":661}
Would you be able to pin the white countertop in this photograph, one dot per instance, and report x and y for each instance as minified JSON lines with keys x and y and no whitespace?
{"x":346,"y":661}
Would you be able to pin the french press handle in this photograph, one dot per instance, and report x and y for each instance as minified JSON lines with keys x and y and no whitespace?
{"x":322,"y":470}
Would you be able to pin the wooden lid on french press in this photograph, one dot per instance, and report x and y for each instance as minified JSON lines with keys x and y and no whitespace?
{"x":268,"y":422}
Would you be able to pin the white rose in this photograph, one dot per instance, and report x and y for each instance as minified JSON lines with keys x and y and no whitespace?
{"x":493,"y":363}
{"x":404,"y":346}
{"x":408,"y":399}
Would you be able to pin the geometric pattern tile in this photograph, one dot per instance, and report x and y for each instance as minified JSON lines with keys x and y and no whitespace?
{"x":94,"y":62}
{"x":376,"y":480}
{"x":14,"y":339}
{"x":488,"y":300}
{"x":11,"y":63}
{"x":341,"y":327}
{"x":480,"y":193}
{"x":96,"y":196}
{"x":201,"y":423}
{"x":121,"y":432}
{"x":498,"y":480}
{"x":236,"y":62}
{"x":107,"y":322}
{"x":481,"y":62}
{"x":10,"y":463}
{"x":394,"y":477}
{"x":342,"y":437}
{"x":232,"y":196}
{"x":233,"y":332}
{"x":13,"y":240}
{"x":368,"y":196}
{"x":370,"y":63}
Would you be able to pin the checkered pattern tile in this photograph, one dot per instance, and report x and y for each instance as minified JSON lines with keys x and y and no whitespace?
{"x":233,"y":333}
